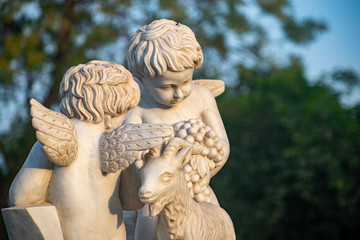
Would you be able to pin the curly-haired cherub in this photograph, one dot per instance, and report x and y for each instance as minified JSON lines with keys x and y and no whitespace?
{"x":163,"y":56}
{"x":80,"y":163}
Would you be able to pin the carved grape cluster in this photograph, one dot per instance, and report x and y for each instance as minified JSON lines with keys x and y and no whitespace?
{"x":197,"y":170}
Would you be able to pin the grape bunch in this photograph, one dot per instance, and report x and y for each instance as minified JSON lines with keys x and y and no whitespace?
{"x":197,"y":170}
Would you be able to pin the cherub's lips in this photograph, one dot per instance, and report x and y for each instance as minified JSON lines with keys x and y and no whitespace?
{"x":177,"y":101}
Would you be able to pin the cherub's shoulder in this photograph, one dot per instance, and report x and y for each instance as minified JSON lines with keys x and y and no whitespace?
{"x":134,"y":115}
{"x":202,"y":92}
{"x":200,"y":89}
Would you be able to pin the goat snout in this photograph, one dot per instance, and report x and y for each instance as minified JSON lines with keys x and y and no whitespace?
{"x":146,"y":196}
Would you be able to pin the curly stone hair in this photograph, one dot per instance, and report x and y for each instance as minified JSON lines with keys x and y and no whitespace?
{"x":163,"y":45}
{"x":89,"y":91}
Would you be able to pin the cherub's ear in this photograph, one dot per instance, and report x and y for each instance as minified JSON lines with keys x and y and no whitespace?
{"x":107,"y":121}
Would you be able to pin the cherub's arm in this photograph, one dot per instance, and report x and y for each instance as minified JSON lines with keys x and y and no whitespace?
{"x":31,"y":183}
{"x":130,"y":183}
{"x":211,"y":117}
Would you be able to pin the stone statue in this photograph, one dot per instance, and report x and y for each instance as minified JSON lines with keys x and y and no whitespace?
{"x":166,"y":190}
{"x":84,"y":169}
{"x":88,"y":183}
{"x":163,"y":56}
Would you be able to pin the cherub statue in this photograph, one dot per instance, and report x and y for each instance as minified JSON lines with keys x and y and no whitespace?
{"x":80,"y":163}
{"x":163,"y":56}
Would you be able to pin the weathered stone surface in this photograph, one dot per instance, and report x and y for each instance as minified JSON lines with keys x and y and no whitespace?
{"x":32,"y":222}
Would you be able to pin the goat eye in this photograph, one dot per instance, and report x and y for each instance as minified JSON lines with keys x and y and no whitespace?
{"x":166,"y":177}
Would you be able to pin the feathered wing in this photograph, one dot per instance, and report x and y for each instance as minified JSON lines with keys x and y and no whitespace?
{"x":56,"y":133}
{"x":122,"y":146}
{"x":217,"y":87}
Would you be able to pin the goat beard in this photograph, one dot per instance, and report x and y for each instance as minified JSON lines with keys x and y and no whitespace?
{"x":156,"y":207}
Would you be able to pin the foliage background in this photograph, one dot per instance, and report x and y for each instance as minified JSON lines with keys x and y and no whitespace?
{"x":293,"y":172}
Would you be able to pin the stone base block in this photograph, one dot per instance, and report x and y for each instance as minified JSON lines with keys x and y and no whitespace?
{"x":32,"y":222}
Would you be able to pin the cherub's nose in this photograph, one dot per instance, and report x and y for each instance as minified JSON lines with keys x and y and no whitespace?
{"x":178,"y":93}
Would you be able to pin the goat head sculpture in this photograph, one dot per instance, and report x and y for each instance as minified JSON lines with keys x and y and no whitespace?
{"x":162,"y":173}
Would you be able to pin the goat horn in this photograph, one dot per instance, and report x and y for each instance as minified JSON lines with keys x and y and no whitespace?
{"x":174,"y":145}
{"x":196,"y":149}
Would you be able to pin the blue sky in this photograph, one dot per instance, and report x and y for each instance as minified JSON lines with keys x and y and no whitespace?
{"x":340,"y":45}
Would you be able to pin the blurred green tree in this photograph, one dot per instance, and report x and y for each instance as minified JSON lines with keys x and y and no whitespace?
{"x":294,"y":164}
{"x":40,"y":40}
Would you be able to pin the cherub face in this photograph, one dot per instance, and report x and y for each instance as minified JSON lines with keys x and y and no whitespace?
{"x":170,"y":89}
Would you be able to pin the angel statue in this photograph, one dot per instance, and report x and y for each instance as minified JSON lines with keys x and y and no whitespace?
{"x":81,"y":163}
{"x":163,"y":56}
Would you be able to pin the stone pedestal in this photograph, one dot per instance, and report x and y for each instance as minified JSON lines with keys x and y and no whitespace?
{"x":32,"y":222}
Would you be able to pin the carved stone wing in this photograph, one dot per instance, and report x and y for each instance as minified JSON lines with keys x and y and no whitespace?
{"x":217,"y":87}
{"x":121,"y":147}
{"x":56,"y":133}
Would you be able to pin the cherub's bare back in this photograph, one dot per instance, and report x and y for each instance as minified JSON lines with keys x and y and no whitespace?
{"x":82,"y":192}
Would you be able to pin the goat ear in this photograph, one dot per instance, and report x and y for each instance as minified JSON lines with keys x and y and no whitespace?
{"x":184,"y":155}
{"x":186,"y":152}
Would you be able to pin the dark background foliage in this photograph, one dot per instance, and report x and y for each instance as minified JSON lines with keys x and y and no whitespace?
{"x":293,"y":172}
